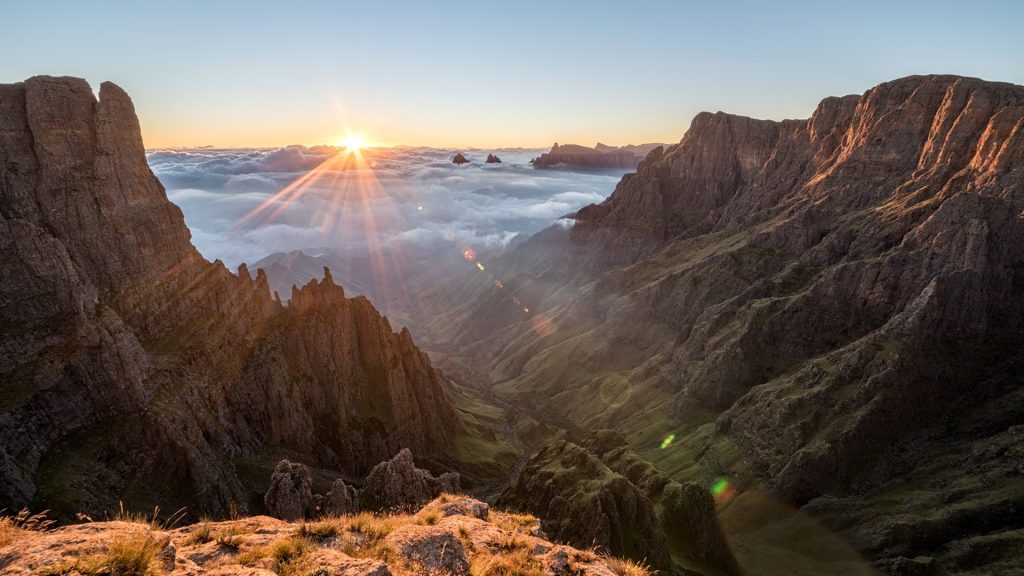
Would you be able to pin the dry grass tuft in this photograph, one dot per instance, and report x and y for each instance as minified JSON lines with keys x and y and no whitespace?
{"x":289,"y":555}
{"x":511,"y":542}
{"x":11,"y":527}
{"x":153,"y":521}
{"x":230,"y":537}
{"x":202,"y":533}
{"x":126,"y":556}
{"x":517,"y":563}
{"x":626,"y":567}
{"x":322,"y":530}
{"x":428,"y":518}
{"x":375,"y":527}
{"x":512,"y":522}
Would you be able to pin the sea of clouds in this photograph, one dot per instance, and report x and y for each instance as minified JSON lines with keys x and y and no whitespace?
{"x":390,"y":197}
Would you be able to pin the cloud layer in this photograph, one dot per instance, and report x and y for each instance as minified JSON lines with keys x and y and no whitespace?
{"x":413,"y":199}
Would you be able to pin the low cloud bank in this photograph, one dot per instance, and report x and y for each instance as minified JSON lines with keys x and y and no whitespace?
{"x":394,"y":198}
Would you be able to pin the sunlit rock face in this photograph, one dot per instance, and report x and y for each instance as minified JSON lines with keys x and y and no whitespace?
{"x":127,"y":360}
{"x":820,"y":308}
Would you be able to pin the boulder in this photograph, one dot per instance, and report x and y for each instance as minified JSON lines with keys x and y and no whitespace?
{"x":460,"y":159}
{"x":290,"y":496}
{"x":434,"y":548}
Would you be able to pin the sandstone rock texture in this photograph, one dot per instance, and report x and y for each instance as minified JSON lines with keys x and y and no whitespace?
{"x":129,"y":361}
{"x":457,"y":544}
{"x":825,"y":309}
{"x":435,"y":548}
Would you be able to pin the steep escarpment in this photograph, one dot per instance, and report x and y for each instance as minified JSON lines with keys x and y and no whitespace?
{"x":133,"y":369}
{"x":803,"y":306}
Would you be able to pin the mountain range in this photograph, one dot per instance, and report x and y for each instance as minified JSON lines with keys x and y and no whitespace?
{"x":779,"y":347}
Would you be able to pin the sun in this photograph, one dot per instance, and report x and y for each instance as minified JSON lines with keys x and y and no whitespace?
{"x":353,"y":142}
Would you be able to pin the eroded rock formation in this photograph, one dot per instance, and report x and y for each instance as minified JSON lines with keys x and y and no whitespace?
{"x":397,"y":484}
{"x":459,"y":159}
{"x":601,"y":493}
{"x":127,"y":360}
{"x":290,"y":496}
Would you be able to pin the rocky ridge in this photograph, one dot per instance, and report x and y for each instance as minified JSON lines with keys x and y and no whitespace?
{"x":805,"y":306}
{"x":453,"y":535}
{"x":134,"y":369}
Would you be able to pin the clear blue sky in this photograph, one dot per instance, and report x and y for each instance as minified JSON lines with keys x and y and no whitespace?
{"x":492,"y":73}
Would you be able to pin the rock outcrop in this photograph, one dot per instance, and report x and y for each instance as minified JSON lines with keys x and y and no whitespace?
{"x":394,"y":485}
{"x":584,"y":503}
{"x":492,"y":159}
{"x":127,"y":360}
{"x":397,"y":484}
{"x":574,"y":155}
{"x":601,"y":494}
{"x":290,"y":496}
{"x":341,"y":499}
{"x":459,"y":159}
{"x":457,"y":544}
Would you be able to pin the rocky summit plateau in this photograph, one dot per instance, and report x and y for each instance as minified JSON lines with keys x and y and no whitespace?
{"x":777,"y":348}
{"x":601,"y":156}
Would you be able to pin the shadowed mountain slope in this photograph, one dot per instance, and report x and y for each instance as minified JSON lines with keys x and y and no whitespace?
{"x":133,"y":369}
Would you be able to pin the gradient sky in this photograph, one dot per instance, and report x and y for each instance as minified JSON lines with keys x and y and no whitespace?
{"x":490,"y":74}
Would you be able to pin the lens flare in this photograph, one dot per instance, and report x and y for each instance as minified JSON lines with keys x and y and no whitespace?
{"x":469,"y":254}
{"x":542,"y":325}
{"x":722,"y":490}
{"x":498,"y":284}
{"x":344,"y":186}
{"x":480,"y":266}
{"x":668,"y":441}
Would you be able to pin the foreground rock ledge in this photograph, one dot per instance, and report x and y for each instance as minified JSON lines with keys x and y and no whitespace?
{"x":451,"y":535}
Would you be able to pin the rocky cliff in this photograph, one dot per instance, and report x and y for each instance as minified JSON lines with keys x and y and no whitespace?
{"x":133,"y":369}
{"x":808,"y":307}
